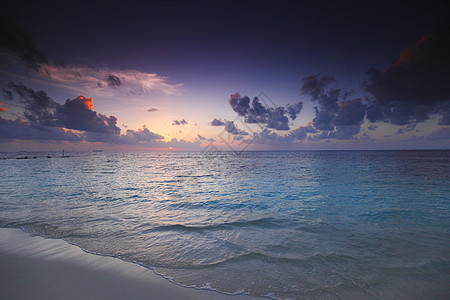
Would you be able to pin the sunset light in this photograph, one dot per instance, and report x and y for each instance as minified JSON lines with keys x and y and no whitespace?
{"x":225,"y":149}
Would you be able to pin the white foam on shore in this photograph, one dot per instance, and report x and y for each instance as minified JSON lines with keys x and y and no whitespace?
{"x":33,"y":267}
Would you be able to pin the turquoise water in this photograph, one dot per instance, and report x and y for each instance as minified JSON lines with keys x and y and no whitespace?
{"x":331,"y":224}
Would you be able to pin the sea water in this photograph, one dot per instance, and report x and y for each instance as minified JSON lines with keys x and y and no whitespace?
{"x":319,"y":224}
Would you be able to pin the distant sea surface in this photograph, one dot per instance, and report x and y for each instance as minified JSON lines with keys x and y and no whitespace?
{"x":331,"y":224}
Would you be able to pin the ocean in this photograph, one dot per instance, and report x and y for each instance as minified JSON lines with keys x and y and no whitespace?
{"x":300,"y":224}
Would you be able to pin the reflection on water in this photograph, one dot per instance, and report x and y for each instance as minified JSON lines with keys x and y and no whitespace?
{"x":370,"y":224}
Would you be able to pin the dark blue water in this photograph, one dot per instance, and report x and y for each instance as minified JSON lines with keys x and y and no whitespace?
{"x":332,"y":224}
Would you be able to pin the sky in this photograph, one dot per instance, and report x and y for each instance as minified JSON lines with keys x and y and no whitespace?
{"x":228,"y":75}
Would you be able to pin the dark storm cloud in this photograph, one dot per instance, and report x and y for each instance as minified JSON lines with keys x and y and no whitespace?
{"x":17,"y":46}
{"x":255,"y":112}
{"x":407,"y":93}
{"x":112,"y":80}
{"x":314,"y":85}
{"x":152,"y":109}
{"x":345,"y":132}
{"x":239,"y":104}
{"x":8,"y":94}
{"x":323,"y":120}
{"x":78,"y":114}
{"x":416,"y":86}
{"x":20,"y":130}
{"x":179,"y":122}
{"x":17,"y":41}
{"x":350,"y":112}
{"x":336,"y":115}
{"x":38,"y":105}
{"x":275,"y":119}
{"x":47,"y":120}
{"x":75,"y":114}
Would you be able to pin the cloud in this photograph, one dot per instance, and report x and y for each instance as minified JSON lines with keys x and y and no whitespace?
{"x":267,"y":136}
{"x":152,"y":109}
{"x":372,"y":127}
{"x":47,"y":120}
{"x":416,"y":86}
{"x":111,"y":79}
{"x":445,"y":120}
{"x":314,"y":85}
{"x":442,"y":133}
{"x":350,"y":112}
{"x":301,"y":132}
{"x":74,"y":121}
{"x":202,"y":138}
{"x":407,"y":128}
{"x":131,"y":137}
{"x":254,"y":112}
{"x":180,"y":144}
{"x":336,"y":115}
{"x":20,"y":130}
{"x":75,"y":114}
{"x":230,"y":127}
{"x":217,"y":122}
{"x":179,"y":122}
{"x":294,"y":109}
{"x":15,"y":42}
{"x":38,"y":105}
{"x":8,"y":94}
{"x":78,"y":114}
{"x":98,"y":80}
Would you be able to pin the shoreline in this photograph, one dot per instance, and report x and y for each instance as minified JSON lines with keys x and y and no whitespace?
{"x":34,"y":267}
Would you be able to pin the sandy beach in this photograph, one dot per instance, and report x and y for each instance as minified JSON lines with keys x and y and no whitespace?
{"x":32,"y":267}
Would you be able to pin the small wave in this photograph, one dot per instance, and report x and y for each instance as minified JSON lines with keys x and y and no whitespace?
{"x":272,"y":259}
{"x":311,"y":259}
{"x":263,"y":222}
{"x":194,"y":176}
{"x":89,"y":205}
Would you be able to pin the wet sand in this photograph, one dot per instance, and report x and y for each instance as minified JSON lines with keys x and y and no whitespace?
{"x":32,"y":267}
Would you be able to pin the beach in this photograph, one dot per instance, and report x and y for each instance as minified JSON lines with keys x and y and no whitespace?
{"x":33,"y":267}
{"x":327,"y":225}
